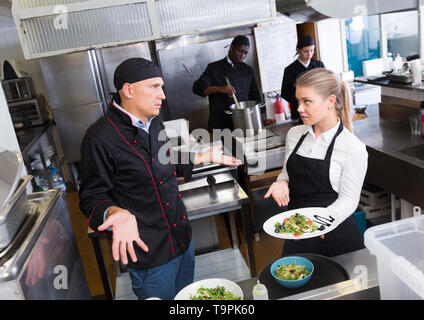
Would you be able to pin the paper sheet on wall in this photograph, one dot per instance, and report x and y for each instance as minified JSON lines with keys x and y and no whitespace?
{"x":275,"y":47}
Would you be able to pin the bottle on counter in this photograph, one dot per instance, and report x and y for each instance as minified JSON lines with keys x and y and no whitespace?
{"x":42,"y":184}
{"x":57,"y":180}
{"x":260,"y":292}
{"x":398,"y":63}
{"x":388,"y":62}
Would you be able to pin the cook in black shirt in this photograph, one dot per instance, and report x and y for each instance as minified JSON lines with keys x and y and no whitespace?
{"x":305,"y":49}
{"x":212,"y":83}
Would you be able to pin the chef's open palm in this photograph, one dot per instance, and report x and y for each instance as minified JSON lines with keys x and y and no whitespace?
{"x":280,"y":192}
{"x":125,"y":232}
{"x":217,"y":156}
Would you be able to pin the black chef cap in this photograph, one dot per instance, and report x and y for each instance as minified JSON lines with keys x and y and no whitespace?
{"x":134,"y":70}
{"x":305,"y":41}
{"x":240,"y":41}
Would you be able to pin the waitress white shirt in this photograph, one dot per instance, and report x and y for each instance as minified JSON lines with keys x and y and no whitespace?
{"x":348,"y":164}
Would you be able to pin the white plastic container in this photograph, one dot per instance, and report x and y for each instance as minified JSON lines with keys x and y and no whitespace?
{"x":399,"y":248}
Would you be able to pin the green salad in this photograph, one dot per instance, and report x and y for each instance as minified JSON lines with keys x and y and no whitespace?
{"x":218,"y":293}
{"x":291,"y":272}
{"x":296,"y":224}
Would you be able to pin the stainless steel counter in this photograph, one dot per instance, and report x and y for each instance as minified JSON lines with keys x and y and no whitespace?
{"x":395,"y":157}
{"x":362,"y":269}
{"x":224,"y":197}
{"x":43,"y":251}
{"x":389,"y":137}
{"x":363,"y":284}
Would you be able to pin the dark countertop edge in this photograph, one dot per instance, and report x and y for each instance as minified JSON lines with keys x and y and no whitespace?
{"x":387,"y":83}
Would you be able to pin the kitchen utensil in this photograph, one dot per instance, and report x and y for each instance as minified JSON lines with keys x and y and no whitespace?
{"x":234,"y":95}
{"x":247,"y":116}
{"x":293,"y":284}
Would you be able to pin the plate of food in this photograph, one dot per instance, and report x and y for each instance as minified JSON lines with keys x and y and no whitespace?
{"x":211,"y":289}
{"x":301,"y":223}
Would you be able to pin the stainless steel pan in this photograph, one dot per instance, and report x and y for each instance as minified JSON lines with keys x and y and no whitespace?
{"x":248,"y":117}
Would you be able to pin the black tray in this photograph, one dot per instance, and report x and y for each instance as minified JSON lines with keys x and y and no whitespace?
{"x":326,"y":272}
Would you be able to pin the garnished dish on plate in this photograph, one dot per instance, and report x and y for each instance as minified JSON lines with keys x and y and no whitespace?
{"x":218,"y":293}
{"x":301,"y":223}
{"x":297,"y":224}
{"x":211,"y":289}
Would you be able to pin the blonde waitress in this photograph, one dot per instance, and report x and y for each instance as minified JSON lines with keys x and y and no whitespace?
{"x":325,"y":163}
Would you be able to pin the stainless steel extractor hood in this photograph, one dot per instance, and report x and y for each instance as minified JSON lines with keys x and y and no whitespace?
{"x":54,"y":27}
{"x":315,"y":10}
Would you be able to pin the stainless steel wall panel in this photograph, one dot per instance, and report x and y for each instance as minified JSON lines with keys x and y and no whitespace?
{"x":74,"y":122}
{"x":70,"y":79}
{"x":113,"y":56}
{"x":184,"y":59}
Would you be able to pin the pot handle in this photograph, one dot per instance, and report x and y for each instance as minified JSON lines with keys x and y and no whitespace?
{"x":262,"y":105}
{"x":228,"y":112}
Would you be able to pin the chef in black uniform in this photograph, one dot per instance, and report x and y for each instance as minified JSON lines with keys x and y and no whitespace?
{"x":305,"y":50}
{"x":325,"y":164}
{"x":212,"y":83}
{"x":129,"y":188}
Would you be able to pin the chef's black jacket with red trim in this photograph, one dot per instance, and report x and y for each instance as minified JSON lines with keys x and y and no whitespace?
{"x":241,"y":77}
{"x":120,"y":167}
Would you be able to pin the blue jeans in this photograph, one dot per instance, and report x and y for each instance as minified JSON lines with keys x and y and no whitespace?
{"x":166,"y":280}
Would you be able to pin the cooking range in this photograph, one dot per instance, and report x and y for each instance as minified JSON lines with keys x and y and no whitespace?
{"x":261,"y":152}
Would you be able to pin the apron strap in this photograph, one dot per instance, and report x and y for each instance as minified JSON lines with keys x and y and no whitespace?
{"x":299,"y":143}
{"x":331,"y":146}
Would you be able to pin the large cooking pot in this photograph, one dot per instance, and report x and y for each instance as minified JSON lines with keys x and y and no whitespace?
{"x":247,"y":117}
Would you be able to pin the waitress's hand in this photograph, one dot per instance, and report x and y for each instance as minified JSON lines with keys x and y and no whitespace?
{"x":280,"y":192}
{"x":125,"y":231}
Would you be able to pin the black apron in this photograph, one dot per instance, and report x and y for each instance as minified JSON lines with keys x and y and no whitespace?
{"x":310,"y":186}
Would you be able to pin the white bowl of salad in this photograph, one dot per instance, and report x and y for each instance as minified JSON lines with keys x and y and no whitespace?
{"x":292,"y":272}
{"x":211,"y":289}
